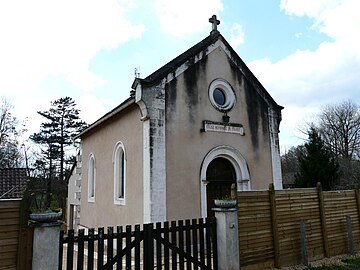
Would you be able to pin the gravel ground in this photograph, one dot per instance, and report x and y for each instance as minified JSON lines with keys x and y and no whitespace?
{"x":336,"y":260}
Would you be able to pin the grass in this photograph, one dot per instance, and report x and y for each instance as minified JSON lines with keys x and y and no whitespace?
{"x":352,"y":262}
{"x":348,"y":263}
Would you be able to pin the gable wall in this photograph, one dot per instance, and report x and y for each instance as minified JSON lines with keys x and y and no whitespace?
{"x":187,"y":105}
{"x":127,"y":128}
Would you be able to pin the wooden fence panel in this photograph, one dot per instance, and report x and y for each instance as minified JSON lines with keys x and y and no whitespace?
{"x":15,"y":240}
{"x":339,"y":204}
{"x":291,"y":207}
{"x":9,"y":233}
{"x":255,"y":230}
{"x":269,"y":225}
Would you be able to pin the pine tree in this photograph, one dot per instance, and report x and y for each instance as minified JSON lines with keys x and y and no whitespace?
{"x":63,"y":123}
{"x":55,"y":136}
{"x":317,"y":164}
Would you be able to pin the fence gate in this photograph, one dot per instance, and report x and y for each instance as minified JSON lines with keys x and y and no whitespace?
{"x":169,"y":245}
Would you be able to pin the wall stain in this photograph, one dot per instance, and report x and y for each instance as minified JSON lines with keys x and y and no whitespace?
{"x":192,"y":76}
{"x":170,"y":98}
{"x":235,"y":72}
{"x":257,"y":114}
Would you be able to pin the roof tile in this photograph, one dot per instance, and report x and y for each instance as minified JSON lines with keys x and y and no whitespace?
{"x":13,"y":183}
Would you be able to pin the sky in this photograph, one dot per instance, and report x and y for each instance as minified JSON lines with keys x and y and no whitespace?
{"x":306,"y":53}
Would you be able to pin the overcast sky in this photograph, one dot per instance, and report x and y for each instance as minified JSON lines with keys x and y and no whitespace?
{"x":305,"y":52}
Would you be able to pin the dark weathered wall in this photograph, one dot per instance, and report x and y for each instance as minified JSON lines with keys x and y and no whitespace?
{"x":187,"y":104}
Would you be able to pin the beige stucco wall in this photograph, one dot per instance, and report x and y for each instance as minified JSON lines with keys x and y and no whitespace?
{"x":127,"y":128}
{"x":187,"y":146}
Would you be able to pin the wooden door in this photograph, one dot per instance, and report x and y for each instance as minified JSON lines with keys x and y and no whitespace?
{"x":220,"y":175}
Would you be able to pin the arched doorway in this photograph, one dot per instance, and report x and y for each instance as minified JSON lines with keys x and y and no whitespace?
{"x":220,"y":175}
{"x":234,"y":170}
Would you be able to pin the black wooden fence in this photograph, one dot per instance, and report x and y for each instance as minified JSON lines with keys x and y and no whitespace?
{"x":169,"y":245}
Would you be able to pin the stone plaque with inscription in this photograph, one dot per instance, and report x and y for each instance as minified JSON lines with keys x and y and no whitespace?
{"x":209,"y":126}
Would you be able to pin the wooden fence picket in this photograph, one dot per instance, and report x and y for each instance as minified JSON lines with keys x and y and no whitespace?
{"x":91,"y":249}
{"x":80,"y":258}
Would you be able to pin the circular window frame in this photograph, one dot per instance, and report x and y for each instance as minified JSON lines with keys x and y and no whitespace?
{"x":227,"y":90}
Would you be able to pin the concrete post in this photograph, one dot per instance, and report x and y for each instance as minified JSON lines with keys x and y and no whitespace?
{"x":46,"y":246}
{"x":227,"y":238}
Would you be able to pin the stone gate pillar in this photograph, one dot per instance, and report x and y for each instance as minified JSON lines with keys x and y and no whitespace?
{"x":46,"y":246}
{"x":227,"y":238}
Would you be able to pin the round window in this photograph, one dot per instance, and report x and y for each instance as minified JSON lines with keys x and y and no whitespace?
{"x":221,"y":95}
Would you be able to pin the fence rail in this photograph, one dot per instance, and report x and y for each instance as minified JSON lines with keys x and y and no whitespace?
{"x":176,"y":245}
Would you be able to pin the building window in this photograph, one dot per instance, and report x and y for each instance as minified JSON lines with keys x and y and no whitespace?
{"x":91,"y":179}
{"x":221,"y":95}
{"x":119,"y":173}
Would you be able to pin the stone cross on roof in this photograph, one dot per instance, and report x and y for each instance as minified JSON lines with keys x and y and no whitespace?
{"x":215,"y":23}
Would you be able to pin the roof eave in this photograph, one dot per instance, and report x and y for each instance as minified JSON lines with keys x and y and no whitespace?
{"x":171,"y":66}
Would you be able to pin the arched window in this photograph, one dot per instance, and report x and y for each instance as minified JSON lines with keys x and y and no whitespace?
{"x":91,"y":178}
{"x":119,"y":173}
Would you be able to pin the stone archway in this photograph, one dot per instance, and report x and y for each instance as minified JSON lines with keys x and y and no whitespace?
{"x":236,"y":172}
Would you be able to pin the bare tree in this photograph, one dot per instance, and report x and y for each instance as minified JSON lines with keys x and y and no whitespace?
{"x":6,"y":120}
{"x":10,"y":154}
{"x":339,"y":126}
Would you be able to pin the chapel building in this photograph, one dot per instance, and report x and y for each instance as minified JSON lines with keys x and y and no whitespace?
{"x":188,"y":131}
